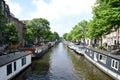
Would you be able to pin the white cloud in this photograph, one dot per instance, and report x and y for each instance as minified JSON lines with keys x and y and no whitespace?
{"x":59,"y":8}
{"x":15,"y":8}
{"x":60,"y":29}
{"x":56,"y":11}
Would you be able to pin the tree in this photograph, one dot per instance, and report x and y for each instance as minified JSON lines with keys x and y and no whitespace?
{"x":83,"y":29}
{"x":40,"y":28}
{"x":106,"y":16}
{"x":29,"y":37}
{"x":68,"y":37}
{"x":53,"y":36}
{"x":78,"y":32}
{"x":11,"y":34}
{"x":56,"y":35}
{"x":65,"y":35}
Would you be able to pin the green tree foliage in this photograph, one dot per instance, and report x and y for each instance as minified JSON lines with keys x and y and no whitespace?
{"x":83,"y":28}
{"x":11,"y":34}
{"x":39,"y":28}
{"x":78,"y":32}
{"x":69,"y":37}
{"x":65,"y":35}
{"x":106,"y":16}
{"x":29,"y":37}
{"x":56,"y":35}
{"x":53,"y":36}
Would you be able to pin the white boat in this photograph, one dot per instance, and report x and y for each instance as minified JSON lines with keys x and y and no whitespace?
{"x":108,"y":63}
{"x":12,"y":64}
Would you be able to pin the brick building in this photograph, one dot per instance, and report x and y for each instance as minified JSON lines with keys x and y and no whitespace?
{"x":21,"y":28}
{"x":6,"y":12}
{"x":9,"y":17}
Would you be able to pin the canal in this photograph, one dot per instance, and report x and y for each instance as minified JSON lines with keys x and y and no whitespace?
{"x":61,"y":63}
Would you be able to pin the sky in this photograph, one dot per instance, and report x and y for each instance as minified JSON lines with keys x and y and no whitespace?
{"x":63,"y":15}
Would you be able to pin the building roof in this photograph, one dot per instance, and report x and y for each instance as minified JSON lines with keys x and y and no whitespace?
{"x":5,"y":59}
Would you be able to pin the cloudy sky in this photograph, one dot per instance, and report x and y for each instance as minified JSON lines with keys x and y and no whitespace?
{"x":62,"y":14}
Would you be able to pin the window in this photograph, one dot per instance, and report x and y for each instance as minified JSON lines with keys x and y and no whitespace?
{"x":87,"y":50}
{"x":90,"y":53}
{"x":115,"y":64}
{"x":23,"y":61}
{"x":95,"y":56}
{"x":102,"y":58}
{"x":9,"y":69}
{"x":14,"y":66}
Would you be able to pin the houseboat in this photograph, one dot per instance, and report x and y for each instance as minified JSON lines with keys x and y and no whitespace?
{"x":108,"y":63}
{"x":13,"y":63}
{"x":36,"y":51}
{"x":79,"y":49}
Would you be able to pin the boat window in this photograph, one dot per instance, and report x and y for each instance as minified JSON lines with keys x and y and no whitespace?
{"x":114,"y":64}
{"x":91,"y":53}
{"x":23,"y":61}
{"x":87,"y":50}
{"x":102,"y":58}
{"x":9,"y":69}
{"x":14,"y":66}
{"x":95,"y":56}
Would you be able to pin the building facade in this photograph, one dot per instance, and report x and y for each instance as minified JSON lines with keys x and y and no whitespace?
{"x":6,"y":12}
{"x":113,"y":39}
{"x":21,"y":28}
{"x":9,"y":17}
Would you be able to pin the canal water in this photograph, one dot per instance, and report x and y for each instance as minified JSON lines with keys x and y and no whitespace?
{"x":61,"y":63}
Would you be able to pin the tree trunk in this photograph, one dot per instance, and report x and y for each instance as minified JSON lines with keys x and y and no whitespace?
{"x":117,"y":35}
{"x":100,"y":41}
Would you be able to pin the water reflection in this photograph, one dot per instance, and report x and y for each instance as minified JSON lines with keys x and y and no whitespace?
{"x":61,"y":67}
{"x":23,"y":75}
{"x":61,"y":63}
{"x":40,"y":69}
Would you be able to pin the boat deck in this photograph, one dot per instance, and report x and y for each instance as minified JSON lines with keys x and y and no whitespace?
{"x":5,"y":59}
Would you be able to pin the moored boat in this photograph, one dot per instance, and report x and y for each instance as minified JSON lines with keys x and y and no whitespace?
{"x":80,"y":49}
{"x":36,"y":51}
{"x":108,"y":63}
{"x":13,"y":63}
{"x":77,"y":48}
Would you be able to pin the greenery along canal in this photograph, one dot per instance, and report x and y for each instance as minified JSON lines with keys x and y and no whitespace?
{"x":61,"y":63}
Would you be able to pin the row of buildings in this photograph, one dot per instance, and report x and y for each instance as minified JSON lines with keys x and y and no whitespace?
{"x":111,"y":40}
{"x":9,"y":17}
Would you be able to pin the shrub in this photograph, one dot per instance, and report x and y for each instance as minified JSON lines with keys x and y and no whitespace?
{"x":102,"y":48}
